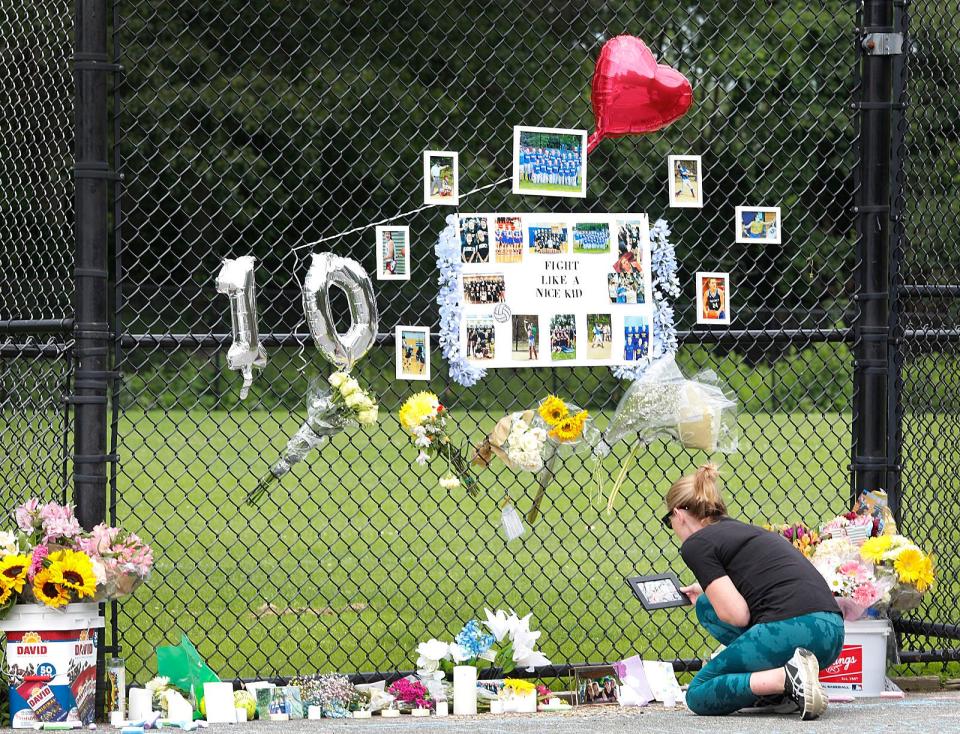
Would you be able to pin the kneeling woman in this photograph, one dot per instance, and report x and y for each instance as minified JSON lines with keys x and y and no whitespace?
{"x":761,"y":598}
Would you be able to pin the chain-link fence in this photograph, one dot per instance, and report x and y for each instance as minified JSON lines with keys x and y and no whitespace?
{"x":246,"y":128}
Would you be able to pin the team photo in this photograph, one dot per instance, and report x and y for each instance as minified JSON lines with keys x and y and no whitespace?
{"x":481,"y":338}
{"x":526,"y":336}
{"x":413,"y":353}
{"x":600,"y":333}
{"x":474,"y":239}
{"x":591,"y":238}
{"x":713,"y":298}
{"x":509,"y":239}
{"x":549,"y":161}
{"x":441,"y":177}
{"x":563,"y":337}
{"x":393,"y":253}
{"x":636,"y":338}
{"x":548,"y":239}
{"x":626,"y":288}
{"x":480,"y":290}
{"x":758,"y":224}
{"x":685,"y":175}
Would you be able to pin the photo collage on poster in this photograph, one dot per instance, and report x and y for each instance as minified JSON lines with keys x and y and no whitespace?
{"x":548,"y":290}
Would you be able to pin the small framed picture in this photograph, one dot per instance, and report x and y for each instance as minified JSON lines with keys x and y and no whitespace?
{"x":596,"y":684}
{"x":441,"y":177}
{"x":474,"y":238}
{"x":713,"y":298}
{"x":413,"y":352}
{"x":393,"y":253}
{"x":549,"y":161}
{"x":659,"y":591}
{"x":758,"y":224}
{"x":685,"y":176}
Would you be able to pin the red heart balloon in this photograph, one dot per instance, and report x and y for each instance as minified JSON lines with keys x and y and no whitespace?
{"x":632,"y":93}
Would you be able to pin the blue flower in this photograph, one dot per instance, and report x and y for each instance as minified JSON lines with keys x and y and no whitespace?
{"x":474,"y":641}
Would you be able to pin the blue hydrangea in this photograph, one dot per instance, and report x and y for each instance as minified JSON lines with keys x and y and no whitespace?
{"x":473,"y":639}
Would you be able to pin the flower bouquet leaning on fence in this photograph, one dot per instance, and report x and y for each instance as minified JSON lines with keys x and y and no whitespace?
{"x":49,"y":559}
{"x":427,"y":422}
{"x":333,"y":406}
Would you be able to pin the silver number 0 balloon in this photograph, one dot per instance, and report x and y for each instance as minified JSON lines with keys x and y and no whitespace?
{"x":237,"y":281}
{"x":326,"y":271}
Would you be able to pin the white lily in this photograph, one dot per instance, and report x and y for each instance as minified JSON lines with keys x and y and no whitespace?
{"x":524,"y":657}
{"x":498,"y":624}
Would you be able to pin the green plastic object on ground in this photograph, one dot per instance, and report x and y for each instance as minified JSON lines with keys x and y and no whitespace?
{"x":185,"y":668}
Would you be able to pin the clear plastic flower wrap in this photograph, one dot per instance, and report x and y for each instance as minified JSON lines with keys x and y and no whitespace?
{"x":662,"y":403}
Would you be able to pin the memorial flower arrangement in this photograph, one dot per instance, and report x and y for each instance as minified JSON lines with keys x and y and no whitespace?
{"x":49,"y":559}
{"x":410,"y":693}
{"x":803,"y":538}
{"x":425,"y":419}
{"x":507,"y":643}
{"x":333,"y":693}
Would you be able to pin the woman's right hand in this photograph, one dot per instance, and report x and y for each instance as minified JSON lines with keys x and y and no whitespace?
{"x":693,"y":592}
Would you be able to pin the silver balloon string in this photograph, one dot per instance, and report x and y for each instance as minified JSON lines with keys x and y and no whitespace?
{"x":395,"y":217}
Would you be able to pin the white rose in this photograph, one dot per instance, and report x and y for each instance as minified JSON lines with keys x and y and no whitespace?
{"x":338,"y":378}
{"x":368,"y":417}
{"x":8,"y":543}
{"x":349,"y":387}
{"x":355,"y":400}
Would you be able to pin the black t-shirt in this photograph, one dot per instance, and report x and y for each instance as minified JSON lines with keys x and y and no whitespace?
{"x":773,"y":577}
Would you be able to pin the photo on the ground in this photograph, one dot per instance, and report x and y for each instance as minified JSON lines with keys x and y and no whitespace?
{"x":685,"y":176}
{"x":548,"y":238}
{"x":549,"y":161}
{"x":393,"y":253}
{"x":485,"y":289}
{"x":509,"y":239}
{"x":413,"y":352}
{"x":636,"y":338}
{"x":591,"y":238}
{"x":758,"y":224}
{"x":441,"y":179}
{"x":600,"y":334}
{"x":481,"y":338}
{"x":563,"y":337}
{"x":713,"y":298}
{"x":596,"y":684}
{"x":626,"y":288}
{"x":525,"y":338}
{"x":474,"y":239}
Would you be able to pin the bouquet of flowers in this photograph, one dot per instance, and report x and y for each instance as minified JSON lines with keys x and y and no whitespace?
{"x":803,"y":538}
{"x":331,"y":407}
{"x":410,"y":693}
{"x":853,"y":526}
{"x":333,"y":693}
{"x":50,"y":560}
{"x":425,"y":420}
{"x":507,"y":643}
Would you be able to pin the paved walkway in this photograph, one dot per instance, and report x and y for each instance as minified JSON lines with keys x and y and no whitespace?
{"x":929,"y":712}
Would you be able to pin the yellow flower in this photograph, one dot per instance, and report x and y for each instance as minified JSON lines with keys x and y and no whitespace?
{"x":5,"y":593}
{"x":553,"y":410}
{"x":519,"y":686}
{"x":925,"y":575}
{"x":73,"y":571}
{"x":417,"y":409}
{"x":873,"y":549}
{"x":48,"y":592}
{"x":910,"y":565}
{"x":13,"y":571}
{"x":569,"y":429}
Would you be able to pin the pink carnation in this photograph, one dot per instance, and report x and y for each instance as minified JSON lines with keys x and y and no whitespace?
{"x":40,"y":552}
{"x":866,"y":594}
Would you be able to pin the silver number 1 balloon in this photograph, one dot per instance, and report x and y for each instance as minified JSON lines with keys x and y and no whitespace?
{"x":236,"y":280}
{"x":326,"y":271}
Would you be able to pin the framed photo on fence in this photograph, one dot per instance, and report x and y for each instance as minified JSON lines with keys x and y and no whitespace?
{"x":758,"y":224}
{"x":393,"y":253}
{"x":713,"y":298}
{"x":685,"y":178}
{"x":413,"y":352}
{"x":549,"y":161}
{"x":441,"y":177}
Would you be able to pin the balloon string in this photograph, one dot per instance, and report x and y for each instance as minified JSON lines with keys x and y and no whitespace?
{"x":396,"y":216}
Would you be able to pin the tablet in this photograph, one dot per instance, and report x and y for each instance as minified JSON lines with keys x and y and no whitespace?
{"x":659,"y":591}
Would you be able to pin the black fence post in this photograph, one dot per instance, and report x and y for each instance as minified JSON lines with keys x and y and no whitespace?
{"x":871,"y":422}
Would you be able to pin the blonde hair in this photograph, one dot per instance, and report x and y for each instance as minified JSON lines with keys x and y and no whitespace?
{"x":698,"y":494}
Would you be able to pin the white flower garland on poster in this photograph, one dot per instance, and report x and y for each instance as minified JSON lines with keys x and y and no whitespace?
{"x":666,"y":286}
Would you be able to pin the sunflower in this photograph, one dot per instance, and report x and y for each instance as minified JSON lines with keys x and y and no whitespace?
{"x":5,"y":593}
{"x":48,"y":592}
{"x":569,"y":429}
{"x":910,"y":565}
{"x":13,"y":571}
{"x":417,"y":409}
{"x":73,"y":571}
{"x":873,"y":549}
{"x":553,"y":410}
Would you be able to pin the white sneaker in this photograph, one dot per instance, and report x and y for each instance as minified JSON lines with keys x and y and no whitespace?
{"x":803,"y":684}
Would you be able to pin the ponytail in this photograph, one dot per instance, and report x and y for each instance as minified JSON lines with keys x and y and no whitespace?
{"x":698,"y":494}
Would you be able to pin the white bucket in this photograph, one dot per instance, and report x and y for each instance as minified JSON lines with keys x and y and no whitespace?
{"x":52,"y":661}
{"x":861,"y":668}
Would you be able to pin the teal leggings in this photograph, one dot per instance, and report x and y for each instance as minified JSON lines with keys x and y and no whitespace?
{"x":723,"y":685}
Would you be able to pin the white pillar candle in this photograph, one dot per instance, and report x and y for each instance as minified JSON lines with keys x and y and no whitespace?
{"x":241,"y":714}
{"x":496,"y":707}
{"x":314,"y":712}
{"x":464,"y":690}
{"x":141,"y":704}
{"x":442,"y":708}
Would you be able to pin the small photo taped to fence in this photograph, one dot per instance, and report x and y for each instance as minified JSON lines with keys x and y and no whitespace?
{"x":474,"y":239}
{"x":685,"y":176}
{"x":508,"y":233}
{"x":525,"y":337}
{"x":713,"y":298}
{"x":484,"y":289}
{"x":481,"y":338}
{"x":413,"y":352}
{"x":393,"y":253}
{"x":441,"y":177}
{"x":563,"y":337}
{"x":549,"y":161}
{"x":658,"y":591}
{"x":758,"y":224}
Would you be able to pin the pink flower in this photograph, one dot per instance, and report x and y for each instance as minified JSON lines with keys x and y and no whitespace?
{"x":39,"y":553}
{"x":58,"y":522}
{"x":850,"y":568}
{"x":866,"y":594}
{"x":26,"y":515}
{"x":119,"y":551}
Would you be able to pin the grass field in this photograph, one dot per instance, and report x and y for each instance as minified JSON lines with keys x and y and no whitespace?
{"x":531,"y":186}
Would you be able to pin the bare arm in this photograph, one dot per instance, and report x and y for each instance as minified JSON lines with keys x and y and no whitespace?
{"x":728,"y":603}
